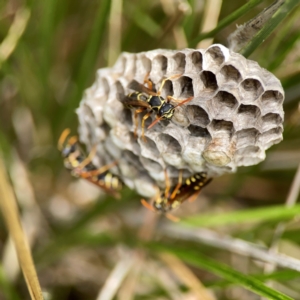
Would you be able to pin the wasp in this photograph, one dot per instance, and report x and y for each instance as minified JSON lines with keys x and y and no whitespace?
{"x":167,"y":201}
{"x":82,"y":166}
{"x":147,"y":99}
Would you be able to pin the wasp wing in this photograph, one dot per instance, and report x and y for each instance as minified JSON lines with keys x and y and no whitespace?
{"x":131,"y":102}
{"x":136,"y":86}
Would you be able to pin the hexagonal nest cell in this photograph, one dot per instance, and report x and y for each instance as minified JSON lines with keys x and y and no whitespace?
{"x":232,"y":113}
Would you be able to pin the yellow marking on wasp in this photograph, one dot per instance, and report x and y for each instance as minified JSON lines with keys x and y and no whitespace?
{"x":107,"y":180}
{"x":196,"y":187}
{"x":188,"y":182}
{"x":193,"y":179}
{"x":115,"y":183}
{"x":175,"y":204}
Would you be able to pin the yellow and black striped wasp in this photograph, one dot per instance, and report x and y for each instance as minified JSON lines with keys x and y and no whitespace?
{"x":82,"y":166}
{"x":147,"y":99}
{"x":167,"y":201}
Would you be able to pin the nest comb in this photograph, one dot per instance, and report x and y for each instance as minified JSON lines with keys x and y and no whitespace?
{"x":235,"y":115}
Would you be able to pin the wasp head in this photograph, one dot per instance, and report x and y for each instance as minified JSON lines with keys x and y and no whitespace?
{"x":166,"y":111}
{"x":164,"y":204}
{"x":68,"y":149}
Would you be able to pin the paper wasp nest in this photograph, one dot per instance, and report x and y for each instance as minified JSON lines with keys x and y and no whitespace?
{"x":235,"y":115}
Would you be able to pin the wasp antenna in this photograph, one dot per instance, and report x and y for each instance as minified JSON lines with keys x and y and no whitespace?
{"x":185,"y":101}
{"x":147,"y":205}
{"x":172,"y":218}
{"x":153,"y":123}
{"x":62,"y":138}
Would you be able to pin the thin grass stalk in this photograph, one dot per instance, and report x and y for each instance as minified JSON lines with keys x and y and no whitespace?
{"x":280,"y":228}
{"x":11,"y":216}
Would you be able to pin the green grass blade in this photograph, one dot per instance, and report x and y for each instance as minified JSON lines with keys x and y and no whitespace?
{"x":96,"y":37}
{"x":88,"y":59}
{"x":278,"y":212}
{"x":289,"y":45}
{"x":47,"y":32}
{"x":224,"y":271}
{"x":226,"y":21}
{"x":276,"y":19}
{"x":283,"y":275}
{"x":146,"y":23}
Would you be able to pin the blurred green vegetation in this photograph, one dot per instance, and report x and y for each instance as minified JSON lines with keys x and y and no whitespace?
{"x":80,"y":237}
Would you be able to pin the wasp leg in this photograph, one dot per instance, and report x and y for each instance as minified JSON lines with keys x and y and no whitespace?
{"x":168,"y":184}
{"x":164,"y":81}
{"x":145,"y":117}
{"x":147,"y":205}
{"x":148,"y":81}
{"x":179,"y":184}
{"x":63,"y":138}
{"x":194,"y":196}
{"x":172,"y":218}
{"x":88,"y":159}
{"x":73,"y":140}
{"x":136,"y":121}
{"x":87,"y":174}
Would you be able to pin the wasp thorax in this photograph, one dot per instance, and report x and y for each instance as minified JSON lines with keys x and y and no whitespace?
{"x":156,"y":102}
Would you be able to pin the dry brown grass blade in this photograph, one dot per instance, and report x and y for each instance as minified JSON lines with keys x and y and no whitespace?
{"x":11,"y":216}
{"x":132,"y":282}
{"x":116,"y":277}
{"x":186,"y":276}
{"x":115,"y":29}
{"x":32,"y":218}
{"x":211,"y":16}
{"x":15,"y":32}
{"x":164,"y":279}
{"x":175,"y":9}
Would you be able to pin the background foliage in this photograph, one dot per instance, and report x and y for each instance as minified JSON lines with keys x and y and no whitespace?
{"x":85,"y":244}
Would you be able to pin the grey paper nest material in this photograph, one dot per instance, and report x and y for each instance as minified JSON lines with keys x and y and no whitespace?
{"x":235,"y":115}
